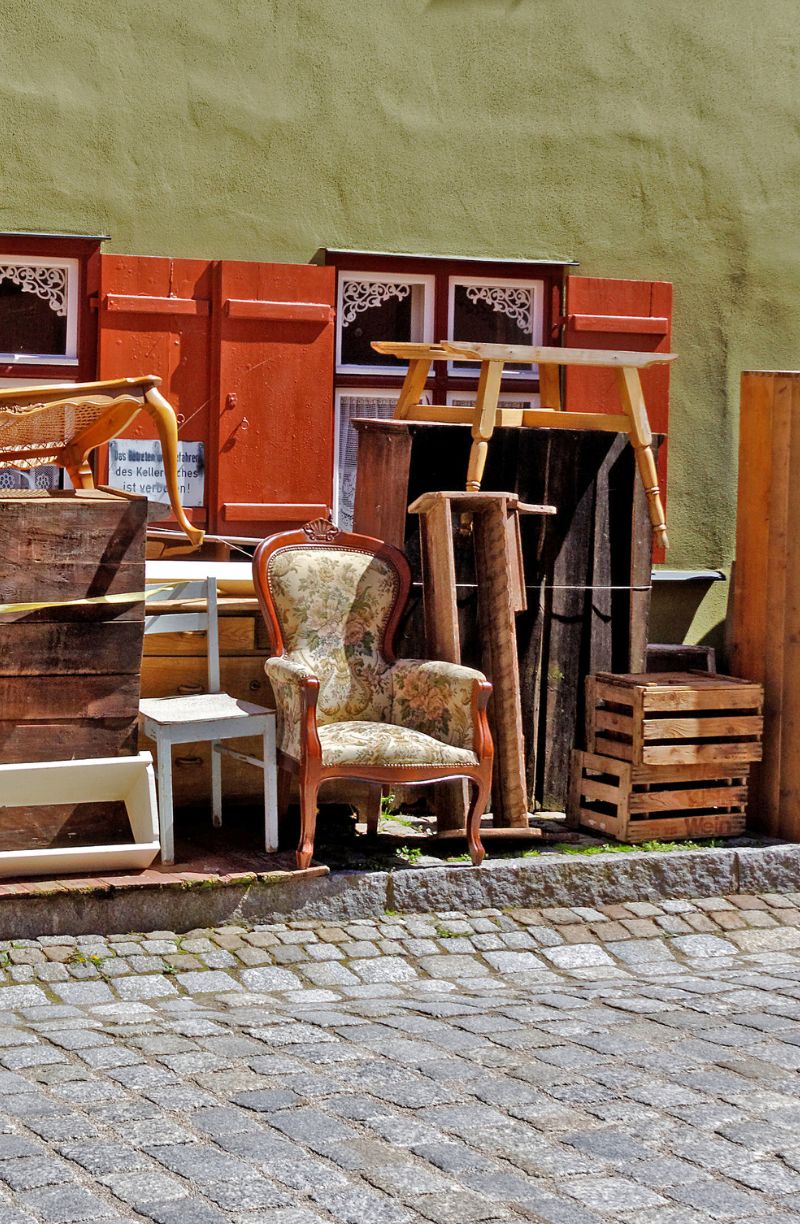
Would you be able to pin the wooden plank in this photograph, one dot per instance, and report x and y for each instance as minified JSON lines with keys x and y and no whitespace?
{"x":699,"y":797}
{"x":533,"y":418}
{"x":237,"y":636}
{"x":789,"y":770}
{"x":602,"y":358}
{"x":286,"y":312}
{"x":127,"y":303}
{"x":759,"y":597}
{"x":591,"y":789}
{"x":713,"y":771}
{"x":703,"y":825}
{"x":81,"y":580}
{"x":696,"y":728}
{"x":439,"y":582}
{"x":71,"y":739}
{"x":413,"y":387}
{"x":675,"y":754}
{"x":48,"y":826}
{"x":550,"y":387}
{"x":55,"y":697}
{"x":607,"y":720}
{"x":65,"y":528}
{"x":382,"y":479}
{"x":58,"y":649}
{"x":636,"y":324}
{"x":496,"y":602}
{"x":242,"y":677}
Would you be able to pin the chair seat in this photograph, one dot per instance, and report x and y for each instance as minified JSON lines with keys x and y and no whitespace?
{"x":198,"y":708}
{"x":387,"y":745}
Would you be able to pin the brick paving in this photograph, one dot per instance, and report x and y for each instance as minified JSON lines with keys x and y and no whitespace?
{"x":632,"y":1063}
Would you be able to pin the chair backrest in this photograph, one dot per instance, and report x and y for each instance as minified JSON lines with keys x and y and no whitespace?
{"x":332,"y":600}
{"x":190,"y":621}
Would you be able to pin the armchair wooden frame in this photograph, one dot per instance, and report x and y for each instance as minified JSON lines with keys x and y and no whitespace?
{"x":63,"y":425}
{"x":311,"y":771}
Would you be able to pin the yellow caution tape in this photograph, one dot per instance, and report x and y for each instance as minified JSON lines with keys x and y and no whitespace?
{"x":121,"y":597}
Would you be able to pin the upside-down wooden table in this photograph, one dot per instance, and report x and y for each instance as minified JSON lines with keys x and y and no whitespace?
{"x":487,"y":414}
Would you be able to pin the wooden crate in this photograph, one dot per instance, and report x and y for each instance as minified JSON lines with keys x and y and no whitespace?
{"x":674,"y":718}
{"x":638,"y":803}
{"x":69,"y":676}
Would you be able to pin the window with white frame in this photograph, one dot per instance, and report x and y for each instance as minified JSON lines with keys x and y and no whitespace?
{"x":38,"y":310}
{"x":373,"y":306}
{"x":495,"y":311}
{"x":425,"y":299}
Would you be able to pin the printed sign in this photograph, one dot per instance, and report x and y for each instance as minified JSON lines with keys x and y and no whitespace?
{"x":137,"y":467}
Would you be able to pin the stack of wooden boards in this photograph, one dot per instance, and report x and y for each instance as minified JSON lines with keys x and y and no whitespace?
{"x":668,"y":755}
{"x":69,"y":681}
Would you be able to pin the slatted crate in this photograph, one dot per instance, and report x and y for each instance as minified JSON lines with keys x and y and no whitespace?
{"x":674,"y":718}
{"x":639,"y":803}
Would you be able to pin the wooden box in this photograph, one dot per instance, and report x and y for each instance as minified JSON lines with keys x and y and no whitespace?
{"x":674,"y":718}
{"x":69,"y":675}
{"x":637,"y":803}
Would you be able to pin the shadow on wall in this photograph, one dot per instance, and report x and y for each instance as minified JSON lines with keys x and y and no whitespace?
{"x":676,"y":608}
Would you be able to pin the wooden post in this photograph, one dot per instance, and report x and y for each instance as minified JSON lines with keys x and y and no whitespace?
{"x":500,"y":596}
{"x":765,"y":633}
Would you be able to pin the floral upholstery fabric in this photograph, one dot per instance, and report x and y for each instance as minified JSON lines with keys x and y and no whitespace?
{"x":333,"y":605}
{"x":286,"y":678}
{"x":374,"y":743}
{"x":435,"y":698}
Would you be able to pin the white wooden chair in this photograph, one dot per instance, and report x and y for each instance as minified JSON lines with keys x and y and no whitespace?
{"x":205,"y":718}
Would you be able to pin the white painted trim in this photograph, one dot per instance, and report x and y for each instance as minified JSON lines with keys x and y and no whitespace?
{"x":502,"y":282}
{"x":383,"y":278}
{"x":72,"y":267}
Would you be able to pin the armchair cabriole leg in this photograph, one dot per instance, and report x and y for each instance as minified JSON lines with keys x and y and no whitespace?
{"x":480,"y":797}
{"x":309,"y":787}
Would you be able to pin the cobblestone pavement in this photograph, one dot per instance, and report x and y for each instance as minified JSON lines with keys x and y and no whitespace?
{"x":631,"y":1063}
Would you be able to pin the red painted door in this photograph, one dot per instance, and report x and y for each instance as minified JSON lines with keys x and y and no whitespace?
{"x":245,"y":352}
{"x":620,"y":314}
{"x":274,"y":344}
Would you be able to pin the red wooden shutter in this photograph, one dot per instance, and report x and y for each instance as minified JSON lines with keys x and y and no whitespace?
{"x":155,"y":318}
{"x":275,"y":336}
{"x":618,"y":314}
{"x":245,"y":352}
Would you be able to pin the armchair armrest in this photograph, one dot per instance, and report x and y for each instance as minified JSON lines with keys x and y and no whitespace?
{"x":444,"y":700}
{"x":296,"y":692}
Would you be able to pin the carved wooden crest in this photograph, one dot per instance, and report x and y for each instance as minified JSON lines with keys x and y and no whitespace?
{"x":321,"y":531}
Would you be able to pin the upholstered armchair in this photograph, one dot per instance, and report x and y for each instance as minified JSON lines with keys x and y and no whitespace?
{"x":346,"y":707}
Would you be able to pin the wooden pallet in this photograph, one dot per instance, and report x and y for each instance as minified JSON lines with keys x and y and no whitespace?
{"x":639,"y":803}
{"x":674,"y":718}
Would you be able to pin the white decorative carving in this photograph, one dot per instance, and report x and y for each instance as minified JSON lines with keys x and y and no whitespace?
{"x":358,"y":296}
{"x":514,"y":303}
{"x":49,"y":284}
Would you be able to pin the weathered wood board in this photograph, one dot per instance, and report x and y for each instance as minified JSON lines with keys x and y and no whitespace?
{"x":69,"y":676}
{"x":580,"y":565}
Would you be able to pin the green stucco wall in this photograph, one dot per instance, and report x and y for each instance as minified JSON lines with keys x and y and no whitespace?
{"x":645,"y":140}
